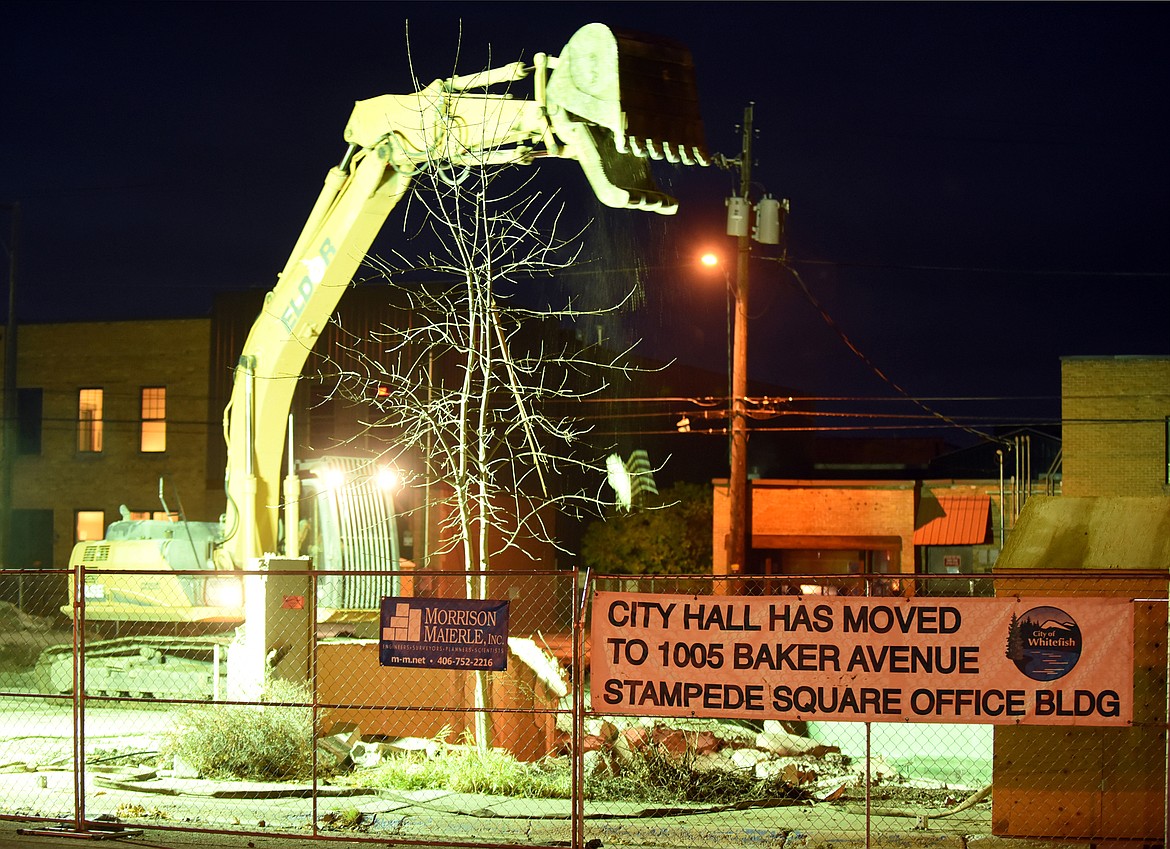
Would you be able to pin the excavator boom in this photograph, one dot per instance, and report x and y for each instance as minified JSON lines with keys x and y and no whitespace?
{"x":611,"y":101}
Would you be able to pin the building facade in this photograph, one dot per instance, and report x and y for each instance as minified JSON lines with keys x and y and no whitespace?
{"x":105,"y":411}
{"x":1116,"y":420}
{"x":1111,"y":525}
{"x":827,"y":528}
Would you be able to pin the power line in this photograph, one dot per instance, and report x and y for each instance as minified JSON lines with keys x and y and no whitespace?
{"x":972,"y":269}
{"x":873,"y":367}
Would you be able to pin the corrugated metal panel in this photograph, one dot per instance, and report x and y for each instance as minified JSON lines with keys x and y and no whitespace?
{"x":963,"y":521}
{"x":361,"y":518}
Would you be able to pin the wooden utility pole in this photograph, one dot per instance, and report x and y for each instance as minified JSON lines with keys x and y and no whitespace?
{"x":737,"y":538}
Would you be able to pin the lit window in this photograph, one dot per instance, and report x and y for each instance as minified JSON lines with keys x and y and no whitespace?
{"x":90,"y":524}
{"x":89,"y":420}
{"x":154,"y":419}
{"x":158,"y":515}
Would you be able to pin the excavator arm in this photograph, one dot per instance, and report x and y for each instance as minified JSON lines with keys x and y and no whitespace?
{"x":610,"y":101}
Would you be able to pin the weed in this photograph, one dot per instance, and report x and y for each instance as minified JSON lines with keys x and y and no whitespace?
{"x":347,"y":819}
{"x":653,"y":774}
{"x":271,"y":741}
{"x":129,"y":811}
{"x":469,"y":769}
{"x":472,"y":771}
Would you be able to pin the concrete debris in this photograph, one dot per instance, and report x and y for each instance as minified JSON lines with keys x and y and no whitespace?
{"x":414,"y":744}
{"x":879,"y":769}
{"x":629,"y":742}
{"x":792,"y":773}
{"x":542,"y":663}
{"x":367,"y":755}
{"x":339,"y":748}
{"x":830,"y":789}
{"x":676,"y":742}
{"x":790,"y":745}
{"x":610,"y":743}
{"x":181,"y":769}
{"x":746,"y":759}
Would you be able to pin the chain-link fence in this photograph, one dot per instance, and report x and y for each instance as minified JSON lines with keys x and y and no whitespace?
{"x":780,"y":711}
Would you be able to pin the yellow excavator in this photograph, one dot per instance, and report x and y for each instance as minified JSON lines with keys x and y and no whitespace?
{"x":611,"y":100}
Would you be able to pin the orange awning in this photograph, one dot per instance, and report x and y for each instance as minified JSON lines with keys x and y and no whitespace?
{"x":962,"y":521}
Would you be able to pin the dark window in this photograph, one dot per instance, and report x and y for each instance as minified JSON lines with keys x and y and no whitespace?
{"x":29,"y":416}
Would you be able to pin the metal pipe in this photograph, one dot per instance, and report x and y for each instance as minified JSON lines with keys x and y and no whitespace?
{"x":79,"y":697}
{"x":10,"y":406}
{"x":216,"y":665}
{"x":247,"y":491}
{"x":576,"y":775}
{"x":292,"y":500}
{"x":1002,"y":529}
{"x":1017,"y":500}
{"x":868,"y":759}
{"x":1027,"y":467}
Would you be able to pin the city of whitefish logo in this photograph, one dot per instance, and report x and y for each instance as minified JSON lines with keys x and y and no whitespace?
{"x":1044,"y":643}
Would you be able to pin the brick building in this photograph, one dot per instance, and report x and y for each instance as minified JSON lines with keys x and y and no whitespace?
{"x":1111,"y":523}
{"x":104,"y":410}
{"x":856,"y":527}
{"x":1116,"y":420}
{"x":1114,"y":508}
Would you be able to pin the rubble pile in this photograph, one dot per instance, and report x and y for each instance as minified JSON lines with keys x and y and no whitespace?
{"x":773,"y":757}
{"x":816,"y":770}
{"x":23,"y":637}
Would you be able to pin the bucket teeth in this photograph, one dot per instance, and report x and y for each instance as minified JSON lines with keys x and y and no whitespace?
{"x":638,"y":88}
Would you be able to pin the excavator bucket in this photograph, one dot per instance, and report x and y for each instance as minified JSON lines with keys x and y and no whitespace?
{"x":618,"y":99}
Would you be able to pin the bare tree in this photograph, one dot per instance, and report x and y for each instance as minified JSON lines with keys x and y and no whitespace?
{"x":469,"y":384}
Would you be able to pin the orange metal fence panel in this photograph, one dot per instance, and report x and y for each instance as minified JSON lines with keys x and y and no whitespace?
{"x":175,"y":729}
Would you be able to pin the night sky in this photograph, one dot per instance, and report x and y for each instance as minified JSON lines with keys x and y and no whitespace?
{"x":976,"y":190}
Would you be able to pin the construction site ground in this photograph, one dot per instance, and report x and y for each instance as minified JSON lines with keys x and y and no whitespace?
{"x":419,"y":821}
{"x":280,"y":816}
{"x":37,"y":804}
{"x":165,"y":811}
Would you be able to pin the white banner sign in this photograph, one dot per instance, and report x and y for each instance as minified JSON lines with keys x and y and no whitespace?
{"x":1058,"y":661}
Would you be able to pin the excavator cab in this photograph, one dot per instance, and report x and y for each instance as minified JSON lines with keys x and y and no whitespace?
{"x":350,"y":532}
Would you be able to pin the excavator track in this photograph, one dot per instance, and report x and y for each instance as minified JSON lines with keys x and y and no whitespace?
{"x":143,"y":667}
